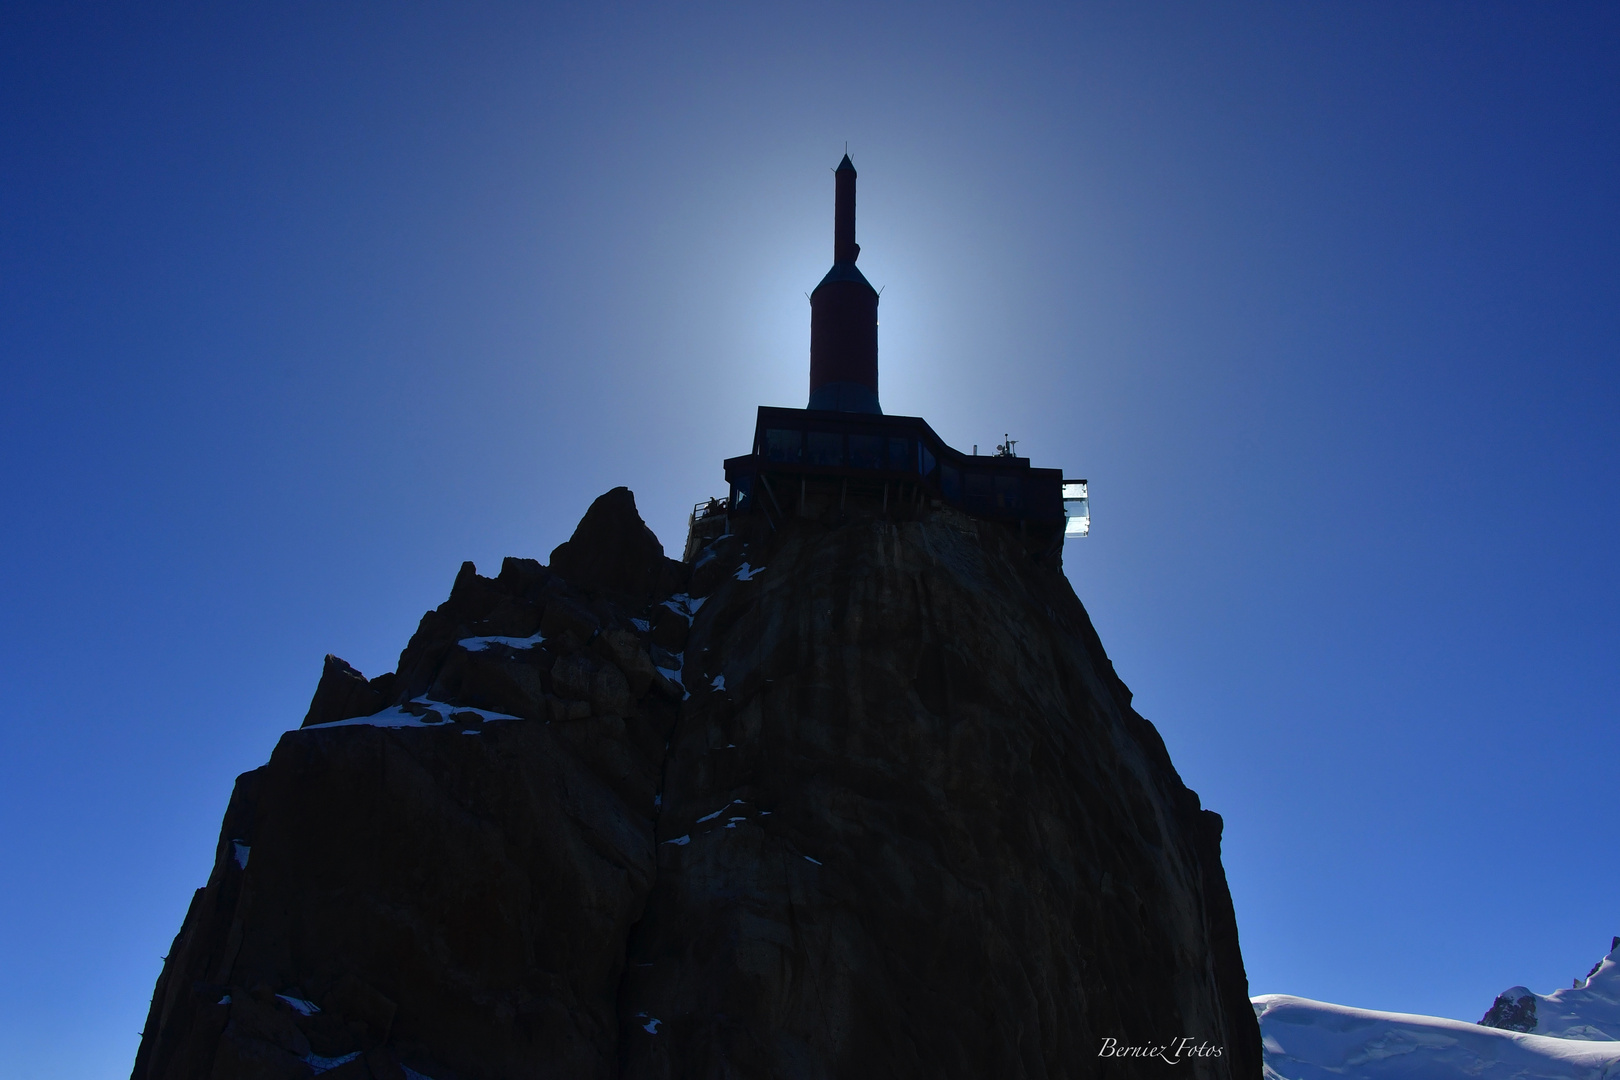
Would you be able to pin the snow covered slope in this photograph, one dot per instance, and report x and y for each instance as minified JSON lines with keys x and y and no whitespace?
{"x":1588,"y":1010}
{"x":1312,"y":1040}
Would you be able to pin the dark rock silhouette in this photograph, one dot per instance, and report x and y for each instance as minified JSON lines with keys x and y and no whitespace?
{"x":614,"y":553}
{"x":900,"y":820}
{"x":344,"y":693}
{"x":1513,"y":1010}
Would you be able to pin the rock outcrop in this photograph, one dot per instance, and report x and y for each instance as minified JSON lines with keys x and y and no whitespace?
{"x":1513,"y":1010}
{"x":859,"y":797}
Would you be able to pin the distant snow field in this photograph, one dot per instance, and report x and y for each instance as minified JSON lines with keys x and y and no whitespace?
{"x":1571,"y":1034}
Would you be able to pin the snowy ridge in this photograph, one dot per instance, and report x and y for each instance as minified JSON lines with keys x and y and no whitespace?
{"x":1588,"y":1010}
{"x":1313,"y":1040}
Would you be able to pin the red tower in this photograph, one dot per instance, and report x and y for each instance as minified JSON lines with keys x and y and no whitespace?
{"x":843,"y":318}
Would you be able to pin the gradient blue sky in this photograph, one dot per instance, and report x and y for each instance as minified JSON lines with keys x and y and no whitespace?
{"x":304,"y":304}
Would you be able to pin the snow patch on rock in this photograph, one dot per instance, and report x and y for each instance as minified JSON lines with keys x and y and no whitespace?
{"x":480,"y":644}
{"x":429,"y":714}
{"x":327,"y":1064}
{"x":303,"y":1006}
{"x":684,"y":605}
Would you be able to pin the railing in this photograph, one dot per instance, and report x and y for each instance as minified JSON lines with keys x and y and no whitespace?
{"x":709,"y":508}
{"x":699,"y":529}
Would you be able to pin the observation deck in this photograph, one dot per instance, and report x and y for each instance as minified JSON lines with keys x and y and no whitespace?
{"x":900,"y":461}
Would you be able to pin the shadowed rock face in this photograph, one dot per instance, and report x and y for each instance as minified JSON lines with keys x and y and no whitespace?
{"x":946,"y":846}
{"x":906,"y":824}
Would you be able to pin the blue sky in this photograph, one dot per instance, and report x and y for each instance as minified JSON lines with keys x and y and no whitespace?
{"x":304,"y":304}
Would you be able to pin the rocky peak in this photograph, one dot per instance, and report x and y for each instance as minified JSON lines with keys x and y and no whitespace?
{"x":856,"y":795}
{"x":612,"y":552}
{"x":1513,"y":1010}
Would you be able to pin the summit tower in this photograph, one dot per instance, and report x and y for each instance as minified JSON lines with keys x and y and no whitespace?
{"x":841,"y":449}
{"x":843,"y":318}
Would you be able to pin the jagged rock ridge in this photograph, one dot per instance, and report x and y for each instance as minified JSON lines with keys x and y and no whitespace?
{"x":862,"y":796}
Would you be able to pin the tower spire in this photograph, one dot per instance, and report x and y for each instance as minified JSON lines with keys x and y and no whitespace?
{"x":845,"y":249}
{"x":843,"y":316}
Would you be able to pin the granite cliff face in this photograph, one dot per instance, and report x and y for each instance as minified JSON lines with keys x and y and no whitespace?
{"x":859,"y":797}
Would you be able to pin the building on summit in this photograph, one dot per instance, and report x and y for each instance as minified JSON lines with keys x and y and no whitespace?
{"x":841,"y":446}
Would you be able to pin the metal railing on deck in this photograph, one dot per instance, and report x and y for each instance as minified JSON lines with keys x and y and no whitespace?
{"x":698,"y":525}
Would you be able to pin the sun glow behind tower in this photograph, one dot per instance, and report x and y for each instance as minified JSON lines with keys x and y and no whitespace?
{"x":814,"y":461}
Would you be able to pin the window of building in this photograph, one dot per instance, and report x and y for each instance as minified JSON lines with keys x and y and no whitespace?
{"x":866,"y":451}
{"x":1076,"y":508}
{"x":1009,"y":491}
{"x":950,"y":482}
{"x":900,"y":456}
{"x":782,"y":444}
{"x":825,"y":448}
